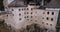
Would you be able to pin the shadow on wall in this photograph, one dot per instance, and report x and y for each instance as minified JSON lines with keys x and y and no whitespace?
{"x":1,"y":5}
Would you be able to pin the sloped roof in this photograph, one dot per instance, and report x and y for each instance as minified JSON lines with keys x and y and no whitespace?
{"x":53,"y":4}
{"x":17,"y":3}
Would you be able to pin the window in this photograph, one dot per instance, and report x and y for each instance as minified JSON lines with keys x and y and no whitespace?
{"x":31,"y":16}
{"x":42,"y":22}
{"x":31,"y":12}
{"x":51,"y":19}
{"x":13,"y":14}
{"x":52,"y":13}
{"x":27,"y":9}
{"x":31,"y":8}
{"x":19,"y":9}
{"x":48,"y":13}
{"x":22,"y":9}
{"x":31,"y":20}
{"x":27,"y":12}
{"x":20,"y":19}
{"x":7,"y":15}
{"x":46,"y":23}
{"x":12,"y":9}
{"x":50,"y":24}
{"x":43,"y":12}
{"x":19,"y":14}
{"x":27,"y":16}
{"x":47,"y":18}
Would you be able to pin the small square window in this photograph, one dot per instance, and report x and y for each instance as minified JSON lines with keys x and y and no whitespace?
{"x":46,"y":23}
{"x":47,"y":18}
{"x":31,"y":20}
{"x":31,"y":16}
{"x":27,"y":16}
{"x":24,"y":12}
{"x":19,"y":9}
{"x":48,"y":13}
{"x":43,"y":12}
{"x":13,"y":14}
{"x":12,"y":9}
{"x":31,"y":13}
{"x":27,"y":12}
{"x":50,"y":24}
{"x":22,"y":9}
{"x":7,"y":15}
{"x":31,"y":8}
{"x":27,"y":9}
{"x":51,"y":19}
{"x":20,"y":19}
{"x":52,"y":13}
{"x":19,"y":14}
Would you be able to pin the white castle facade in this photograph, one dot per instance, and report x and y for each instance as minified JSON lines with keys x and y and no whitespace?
{"x":23,"y":15}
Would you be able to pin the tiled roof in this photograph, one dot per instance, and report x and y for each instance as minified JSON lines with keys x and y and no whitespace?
{"x":53,"y":4}
{"x":17,"y":3}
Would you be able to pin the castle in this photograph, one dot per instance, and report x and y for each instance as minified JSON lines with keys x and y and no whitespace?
{"x":26,"y":14}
